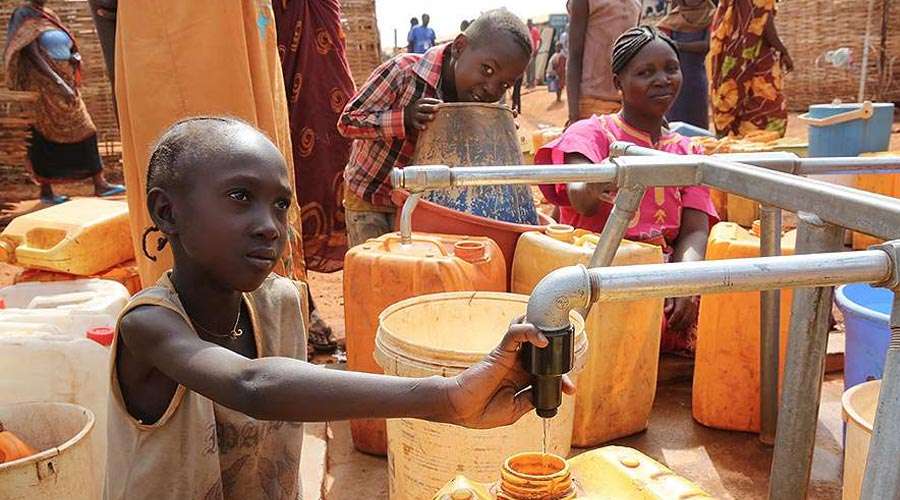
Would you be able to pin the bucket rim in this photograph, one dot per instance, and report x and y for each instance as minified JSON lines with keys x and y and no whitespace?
{"x":849,"y":412}
{"x":56,"y":450}
{"x":845,"y":303}
{"x":487,"y":105}
{"x":461,"y":359}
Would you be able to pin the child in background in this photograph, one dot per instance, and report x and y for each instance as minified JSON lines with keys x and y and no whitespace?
{"x":209,"y":383}
{"x":402,"y":96}
{"x":648,"y":75}
{"x":556,"y":72}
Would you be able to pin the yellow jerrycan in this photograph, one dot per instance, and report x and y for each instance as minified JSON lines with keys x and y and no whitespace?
{"x":726,"y":364}
{"x":82,"y":237}
{"x":886,"y":184}
{"x":618,"y":384}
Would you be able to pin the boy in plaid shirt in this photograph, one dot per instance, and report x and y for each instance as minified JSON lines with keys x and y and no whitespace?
{"x":400,"y":99}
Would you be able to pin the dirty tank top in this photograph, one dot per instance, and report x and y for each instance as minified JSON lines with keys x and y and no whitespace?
{"x":200,"y":449}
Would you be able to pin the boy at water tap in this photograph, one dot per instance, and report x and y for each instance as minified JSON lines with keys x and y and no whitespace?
{"x":400,"y":99}
{"x":209,"y":383}
{"x":647,"y":73}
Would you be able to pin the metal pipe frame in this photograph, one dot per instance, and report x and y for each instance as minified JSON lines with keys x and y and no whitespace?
{"x":882,"y":475}
{"x":804,"y":367}
{"x":770,"y":327}
{"x":684,"y":279}
{"x":776,"y":184}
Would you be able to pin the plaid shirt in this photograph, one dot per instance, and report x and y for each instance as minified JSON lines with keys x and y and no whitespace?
{"x":374,"y":118}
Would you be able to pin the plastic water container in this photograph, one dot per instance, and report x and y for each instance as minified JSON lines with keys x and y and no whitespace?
{"x":726,"y":365}
{"x":886,"y":184}
{"x":866,"y":311}
{"x":125,"y":273}
{"x":848,"y":129}
{"x":605,"y":473}
{"x":618,"y":384}
{"x":74,"y":307}
{"x":859,"y":404}
{"x":433,"y":218}
{"x":441,"y":335}
{"x":63,"y":467}
{"x":384,"y":271}
{"x":688,"y":130}
{"x":38,"y":364}
{"x":83,"y":237}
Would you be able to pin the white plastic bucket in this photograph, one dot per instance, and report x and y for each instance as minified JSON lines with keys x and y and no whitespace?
{"x":859,"y":404}
{"x":442,"y":334}
{"x":63,"y":467}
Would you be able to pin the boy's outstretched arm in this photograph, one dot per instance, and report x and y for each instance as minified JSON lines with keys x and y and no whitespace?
{"x":273,"y":388}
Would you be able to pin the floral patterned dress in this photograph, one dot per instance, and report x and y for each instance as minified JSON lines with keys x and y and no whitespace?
{"x":745,"y":71}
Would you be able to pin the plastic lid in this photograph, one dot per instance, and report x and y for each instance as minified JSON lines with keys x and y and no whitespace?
{"x":102,"y":335}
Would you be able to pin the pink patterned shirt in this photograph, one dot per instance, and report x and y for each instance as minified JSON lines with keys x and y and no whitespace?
{"x":659,"y":218}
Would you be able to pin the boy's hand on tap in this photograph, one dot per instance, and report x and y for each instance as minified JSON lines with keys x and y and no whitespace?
{"x":418,"y":114}
{"x":495,"y":391}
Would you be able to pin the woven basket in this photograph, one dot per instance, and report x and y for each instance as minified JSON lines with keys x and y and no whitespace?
{"x":809,"y":28}
{"x":95,"y":90}
{"x":362,"y":38}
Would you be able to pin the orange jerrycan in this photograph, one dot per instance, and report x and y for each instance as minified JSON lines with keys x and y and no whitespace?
{"x":726,"y":364}
{"x":618,"y":384}
{"x":384,"y":271}
{"x":82,"y":237}
{"x":886,"y":184}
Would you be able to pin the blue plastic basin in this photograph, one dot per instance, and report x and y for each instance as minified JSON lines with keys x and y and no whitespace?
{"x":866,"y":312}
{"x":853,"y":137}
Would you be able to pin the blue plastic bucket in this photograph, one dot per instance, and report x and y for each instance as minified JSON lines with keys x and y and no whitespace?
{"x":866,"y":312}
{"x":852,"y":136}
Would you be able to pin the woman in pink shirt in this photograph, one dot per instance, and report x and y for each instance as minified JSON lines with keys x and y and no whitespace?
{"x":648,"y":75}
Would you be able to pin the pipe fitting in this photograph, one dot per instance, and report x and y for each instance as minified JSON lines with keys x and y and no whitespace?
{"x":557,"y":295}
{"x":423,"y":178}
{"x":892,"y":249}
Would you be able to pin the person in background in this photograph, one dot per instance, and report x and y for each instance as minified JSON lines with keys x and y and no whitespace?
{"x":687,"y":23}
{"x":747,"y":63}
{"x":556,"y":72}
{"x":41,"y":56}
{"x":401,"y":98}
{"x":413,"y":22}
{"x":422,"y":37}
{"x":536,"y":44}
{"x":310,"y":42}
{"x":594,"y":26}
{"x":564,"y":41}
{"x":646,"y":70}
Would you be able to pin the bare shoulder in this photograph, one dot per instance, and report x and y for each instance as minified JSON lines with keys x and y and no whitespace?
{"x":147,"y":328}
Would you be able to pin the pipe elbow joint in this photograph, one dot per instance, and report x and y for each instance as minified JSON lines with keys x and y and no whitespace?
{"x":557,"y":295}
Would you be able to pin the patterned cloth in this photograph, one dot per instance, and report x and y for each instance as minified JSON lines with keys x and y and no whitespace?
{"x":221,"y":61}
{"x":310,"y":41}
{"x":745,"y":70}
{"x":64,"y":147}
{"x":659,"y":218}
{"x":374,"y":118}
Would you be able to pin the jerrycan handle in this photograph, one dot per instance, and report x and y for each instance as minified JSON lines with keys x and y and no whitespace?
{"x":393,"y":238}
{"x":863,"y":113}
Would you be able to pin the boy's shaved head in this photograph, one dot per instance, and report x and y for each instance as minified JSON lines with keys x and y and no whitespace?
{"x":499,"y":23}
{"x":189,"y":140}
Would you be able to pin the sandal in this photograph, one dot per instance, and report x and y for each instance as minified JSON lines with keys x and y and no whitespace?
{"x":114,"y":190}
{"x":54,"y":200}
{"x":321,"y":336}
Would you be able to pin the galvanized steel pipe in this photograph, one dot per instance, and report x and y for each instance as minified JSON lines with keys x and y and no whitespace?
{"x":770,"y":326}
{"x":570,"y":287}
{"x":431,"y":177}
